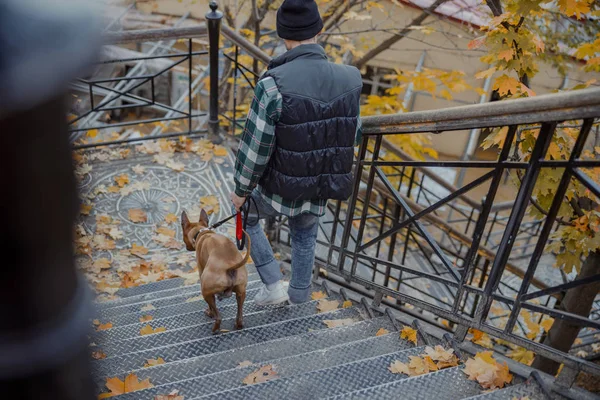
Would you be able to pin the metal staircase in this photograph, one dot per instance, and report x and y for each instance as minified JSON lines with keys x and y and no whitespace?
{"x":310,"y":359}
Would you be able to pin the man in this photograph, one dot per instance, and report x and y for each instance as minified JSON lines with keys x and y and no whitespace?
{"x":297,"y":147}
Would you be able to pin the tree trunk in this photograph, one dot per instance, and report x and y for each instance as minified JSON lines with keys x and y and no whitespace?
{"x":386,"y":44}
{"x":578,"y":301}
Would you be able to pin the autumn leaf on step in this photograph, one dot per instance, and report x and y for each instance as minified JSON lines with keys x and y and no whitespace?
{"x":137,"y":215}
{"x":138,"y":169}
{"x":487,"y":371}
{"x":147,"y":330}
{"x":210,"y":204}
{"x":148,"y":307}
{"x":175,"y":165}
{"x":116,"y":387}
{"x":263,"y":374}
{"x":122,"y":180}
{"x":139,"y":251}
{"x":98,"y":355}
{"x":382,"y":331}
{"x":443,"y":358}
{"x":85,"y":209}
{"x":132,"y":383}
{"x":103,"y":327}
{"x":334,"y":323}
{"x":347,"y":304}
{"x":102,"y":263}
{"x":547,"y":323}
{"x":245,"y":363}
{"x":398,"y":367}
{"x":146,"y":318}
{"x":165,"y":231}
{"x":318,"y":295}
{"x":174,"y":395}
{"x":171,"y":218}
{"x":409,"y":334}
{"x":151,"y":362}
{"x":327,"y":305}
{"x":220,"y":151}
{"x":102,"y":243}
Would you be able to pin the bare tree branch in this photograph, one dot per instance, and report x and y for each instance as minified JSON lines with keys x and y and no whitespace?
{"x":386,"y":44}
{"x":495,"y":6}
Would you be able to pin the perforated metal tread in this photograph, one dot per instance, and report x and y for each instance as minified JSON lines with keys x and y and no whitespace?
{"x":174,"y":299}
{"x":530,"y":389}
{"x":449,"y":384}
{"x":183,"y":307}
{"x":286,"y":367}
{"x":221,"y":342}
{"x":149,"y":297}
{"x":255,"y":316}
{"x":324,"y":382}
{"x":261,"y":352}
{"x":161,"y":285}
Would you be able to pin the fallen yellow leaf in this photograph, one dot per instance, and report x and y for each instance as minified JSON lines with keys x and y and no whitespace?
{"x":382,"y":331}
{"x":151,"y":362}
{"x":139,"y":251}
{"x":409,"y":334}
{"x":327,"y":305}
{"x":487,"y":371}
{"x":263,"y":374}
{"x":147,"y":330}
{"x":132,"y":383}
{"x":346,"y":304}
{"x":170,"y":218}
{"x":98,"y":355}
{"x":220,"y":151}
{"x":122,"y":180}
{"x":318,"y":295}
{"x":174,"y":395}
{"x":137,"y":215}
{"x":146,"y":318}
{"x":166,"y":231}
{"x":105,"y":326}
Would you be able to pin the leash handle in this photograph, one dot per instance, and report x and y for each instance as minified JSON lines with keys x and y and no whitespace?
{"x":239,"y":231}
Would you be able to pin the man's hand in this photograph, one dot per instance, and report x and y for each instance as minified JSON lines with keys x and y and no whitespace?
{"x":237,"y":201}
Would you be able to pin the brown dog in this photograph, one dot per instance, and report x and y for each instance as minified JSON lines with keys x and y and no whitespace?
{"x":222,"y":268}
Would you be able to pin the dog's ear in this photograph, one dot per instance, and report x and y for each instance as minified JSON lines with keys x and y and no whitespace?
{"x":203,"y":217}
{"x":184,"y":220}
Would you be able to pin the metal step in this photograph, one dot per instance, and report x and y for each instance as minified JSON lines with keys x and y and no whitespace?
{"x":286,"y":367}
{"x":529,"y":389}
{"x":254,"y":316}
{"x":176,"y":298}
{"x":449,"y":384}
{"x":317,"y":340}
{"x":182,"y":307}
{"x":161,"y":285}
{"x":226,"y":341}
{"x":325,"y":382}
{"x":149,"y":297}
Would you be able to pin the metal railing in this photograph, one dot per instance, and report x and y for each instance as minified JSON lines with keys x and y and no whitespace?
{"x":454,"y":271}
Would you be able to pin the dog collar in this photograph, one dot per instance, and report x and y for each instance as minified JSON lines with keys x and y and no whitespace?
{"x":201,"y":231}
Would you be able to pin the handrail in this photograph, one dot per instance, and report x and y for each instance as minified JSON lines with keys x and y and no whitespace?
{"x":546,"y":108}
{"x":149,"y":35}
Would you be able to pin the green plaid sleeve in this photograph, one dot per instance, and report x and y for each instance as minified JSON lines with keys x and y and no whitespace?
{"x":258,"y":139}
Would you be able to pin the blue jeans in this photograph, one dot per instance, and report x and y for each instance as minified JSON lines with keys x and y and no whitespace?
{"x":303,"y":232}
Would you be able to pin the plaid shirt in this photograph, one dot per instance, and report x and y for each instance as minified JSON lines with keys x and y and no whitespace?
{"x":257,"y":145}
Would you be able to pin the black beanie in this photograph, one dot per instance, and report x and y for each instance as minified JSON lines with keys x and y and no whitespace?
{"x":298,"y":20}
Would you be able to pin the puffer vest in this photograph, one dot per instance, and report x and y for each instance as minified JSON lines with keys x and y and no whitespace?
{"x":314,"y":137}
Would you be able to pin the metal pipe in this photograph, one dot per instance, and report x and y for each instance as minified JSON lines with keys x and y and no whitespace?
{"x":213,"y":19}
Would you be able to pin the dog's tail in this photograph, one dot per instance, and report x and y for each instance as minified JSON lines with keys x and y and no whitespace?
{"x":245,"y":260}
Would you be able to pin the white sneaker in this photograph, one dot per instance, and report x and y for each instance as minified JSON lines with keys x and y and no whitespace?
{"x":277,"y":295}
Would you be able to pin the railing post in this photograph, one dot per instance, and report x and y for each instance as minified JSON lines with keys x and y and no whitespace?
{"x":213,"y":22}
